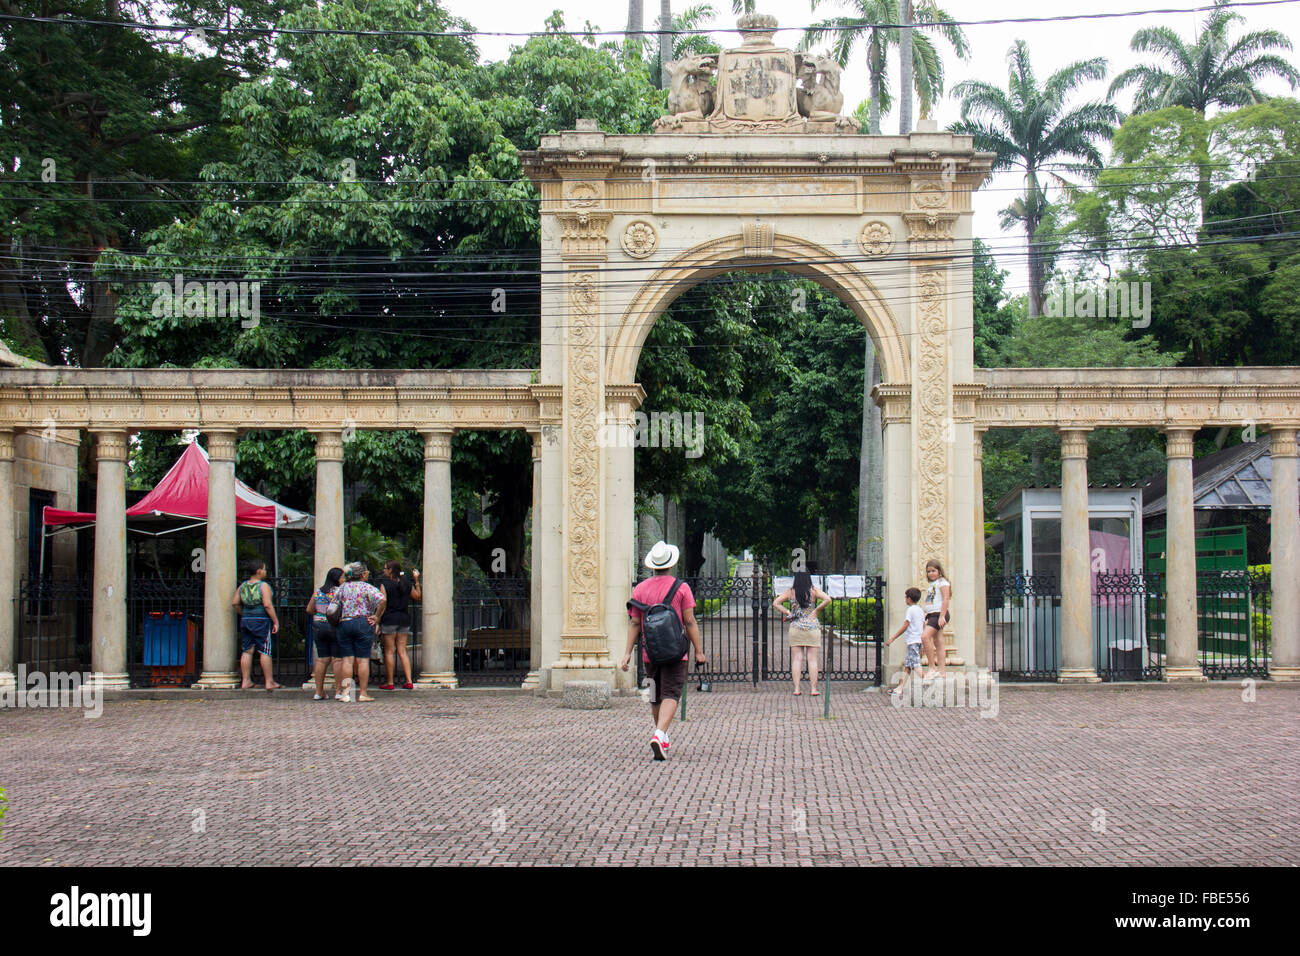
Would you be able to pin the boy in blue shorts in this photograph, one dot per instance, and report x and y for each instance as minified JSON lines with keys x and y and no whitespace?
{"x":913,"y":625}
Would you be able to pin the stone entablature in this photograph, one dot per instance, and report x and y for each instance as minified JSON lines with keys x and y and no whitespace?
{"x":1138,"y":397}
{"x":162,"y":399}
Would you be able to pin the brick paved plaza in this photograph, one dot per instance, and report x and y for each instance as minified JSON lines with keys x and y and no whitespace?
{"x":1184,"y":775}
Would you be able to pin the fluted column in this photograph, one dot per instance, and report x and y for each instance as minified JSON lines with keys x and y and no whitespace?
{"x":1076,"y":585}
{"x":11,"y":609}
{"x":329,"y":503}
{"x":1181,"y":662}
{"x":981,"y":572}
{"x":108,"y":627}
{"x":1285,"y":555}
{"x":535,"y":571}
{"x":437,"y":625}
{"x":222,"y":575}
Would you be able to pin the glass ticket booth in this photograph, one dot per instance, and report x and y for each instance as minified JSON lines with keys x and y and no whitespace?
{"x":1028,"y":615}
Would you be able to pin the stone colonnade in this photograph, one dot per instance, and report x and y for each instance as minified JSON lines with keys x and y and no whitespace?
{"x":1179,"y":402}
{"x":113,"y":406}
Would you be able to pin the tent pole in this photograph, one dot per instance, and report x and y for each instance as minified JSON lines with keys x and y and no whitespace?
{"x":275,"y":546}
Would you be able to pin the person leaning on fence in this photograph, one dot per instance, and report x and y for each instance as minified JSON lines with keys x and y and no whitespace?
{"x":666,"y":678}
{"x":361,"y":606}
{"x":324,"y":634}
{"x":395,"y":625}
{"x":913,"y":625}
{"x":257,"y":622}
{"x":805,"y":632}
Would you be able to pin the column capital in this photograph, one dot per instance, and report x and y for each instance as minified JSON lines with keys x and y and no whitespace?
{"x":1282,"y":441}
{"x":535,"y":434}
{"x":1179,"y":441}
{"x":111,"y":445}
{"x":6,"y":444}
{"x":329,"y":446}
{"x":222,"y":445}
{"x":437,"y":444}
{"x":1074,"y":442}
{"x":978,"y":444}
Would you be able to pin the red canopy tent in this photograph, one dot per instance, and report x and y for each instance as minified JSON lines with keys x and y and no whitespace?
{"x":180,"y":501}
{"x":183,"y":494}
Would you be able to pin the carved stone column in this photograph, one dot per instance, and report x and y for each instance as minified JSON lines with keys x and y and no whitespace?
{"x":935,"y":428}
{"x":535,"y":571}
{"x":329,"y":504}
{"x":222,"y":573}
{"x":108,"y":621}
{"x":1285,"y":555}
{"x":11,"y":610}
{"x":981,"y":572}
{"x":1076,"y":584}
{"x":1181,"y":659}
{"x":438,"y":627}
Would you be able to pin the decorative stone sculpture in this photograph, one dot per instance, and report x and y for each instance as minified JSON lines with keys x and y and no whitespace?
{"x":757,"y":89}
{"x":690,"y":91}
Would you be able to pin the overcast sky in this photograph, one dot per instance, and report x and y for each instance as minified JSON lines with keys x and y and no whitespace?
{"x":1052,"y":45}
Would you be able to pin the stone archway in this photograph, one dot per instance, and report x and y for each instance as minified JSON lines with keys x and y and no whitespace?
{"x":629,"y":222}
{"x":728,"y":253}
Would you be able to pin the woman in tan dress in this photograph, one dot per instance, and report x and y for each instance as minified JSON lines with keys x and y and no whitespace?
{"x":805,"y":632}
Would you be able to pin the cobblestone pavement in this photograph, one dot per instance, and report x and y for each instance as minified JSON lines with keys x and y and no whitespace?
{"x":1112,"y":775}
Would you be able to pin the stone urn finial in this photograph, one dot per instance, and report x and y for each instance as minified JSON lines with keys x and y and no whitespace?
{"x":757,"y":29}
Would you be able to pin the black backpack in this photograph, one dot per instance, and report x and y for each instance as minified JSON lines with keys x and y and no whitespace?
{"x":662,"y":634}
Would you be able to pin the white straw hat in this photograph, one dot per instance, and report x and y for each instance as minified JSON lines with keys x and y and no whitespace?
{"x":661,"y":556}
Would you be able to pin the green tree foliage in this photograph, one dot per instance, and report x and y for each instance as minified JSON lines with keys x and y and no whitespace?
{"x":775,"y":364}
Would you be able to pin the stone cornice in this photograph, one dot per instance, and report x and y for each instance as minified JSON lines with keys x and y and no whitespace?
{"x":1153,"y":397}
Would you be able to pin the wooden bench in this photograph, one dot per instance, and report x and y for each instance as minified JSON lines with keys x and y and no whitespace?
{"x":491,"y":648}
{"x":498,"y":639}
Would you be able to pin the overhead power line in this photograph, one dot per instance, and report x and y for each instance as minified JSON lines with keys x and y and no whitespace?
{"x":186,"y":28}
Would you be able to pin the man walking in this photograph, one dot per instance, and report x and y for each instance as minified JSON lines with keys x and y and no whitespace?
{"x":666,"y":679}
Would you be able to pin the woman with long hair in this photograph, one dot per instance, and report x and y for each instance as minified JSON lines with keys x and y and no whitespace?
{"x":938,"y":593}
{"x":395,"y":626}
{"x":805,"y":632}
{"x":324,"y":634}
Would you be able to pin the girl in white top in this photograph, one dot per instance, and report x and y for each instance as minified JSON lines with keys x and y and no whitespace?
{"x":937,"y":595}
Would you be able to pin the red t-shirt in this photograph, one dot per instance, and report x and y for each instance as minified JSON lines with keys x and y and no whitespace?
{"x":652,"y":591}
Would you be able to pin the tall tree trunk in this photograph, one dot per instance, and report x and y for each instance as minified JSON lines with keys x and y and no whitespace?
{"x":905,"y":78}
{"x":876,"y":67}
{"x":871,"y":534}
{"x":665,"y":41}
{"x":635,"y":24}
{"x":1035,"y":267}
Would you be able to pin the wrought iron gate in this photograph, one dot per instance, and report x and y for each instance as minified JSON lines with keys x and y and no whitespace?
{"x":745,"y":640}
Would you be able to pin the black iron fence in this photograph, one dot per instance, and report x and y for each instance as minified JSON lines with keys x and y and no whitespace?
{"x":1128,"y":625}
{"x":745,"y":639}
{"x":493,"y":633}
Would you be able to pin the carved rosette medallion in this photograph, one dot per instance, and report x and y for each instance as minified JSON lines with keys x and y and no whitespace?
{"x":934,"y":422}
{"x":876,"y":239}
{"x":583,"y":405}
{"x":640,"y":239}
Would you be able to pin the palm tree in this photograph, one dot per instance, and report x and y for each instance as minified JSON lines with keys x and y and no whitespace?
{"x":867,"y":24}
{"x":665,"y":41}
{"x":845,"y":33}
{"x":682,"y":42}
{"x":906,"y":73}
{"x":1210,"y":71}
{"x":1029,"y":127}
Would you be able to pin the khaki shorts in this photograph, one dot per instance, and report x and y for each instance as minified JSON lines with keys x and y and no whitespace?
{"x":804,"y":637}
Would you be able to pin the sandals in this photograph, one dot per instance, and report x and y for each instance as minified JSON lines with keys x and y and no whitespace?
{"x":364,"y":698}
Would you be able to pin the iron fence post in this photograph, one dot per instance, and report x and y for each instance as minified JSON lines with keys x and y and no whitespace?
{"x":756,"y":580}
